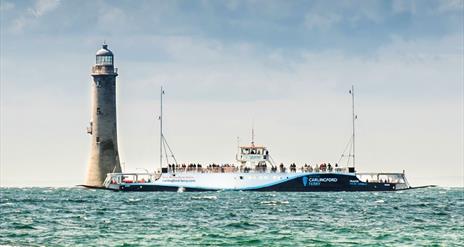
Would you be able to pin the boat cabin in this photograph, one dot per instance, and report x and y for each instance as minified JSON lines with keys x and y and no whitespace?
{"x":252,"y":155}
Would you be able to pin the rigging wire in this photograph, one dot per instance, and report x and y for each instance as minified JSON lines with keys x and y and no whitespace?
{"x":350,"y":146}
{"x":165,"y":152}
{"x":169,"y":148}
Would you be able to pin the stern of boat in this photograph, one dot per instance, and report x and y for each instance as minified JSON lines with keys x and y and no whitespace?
{"x":114,"y":181}
{"x":397,"y":180}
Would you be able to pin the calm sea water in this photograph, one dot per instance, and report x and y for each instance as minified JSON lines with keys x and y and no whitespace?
{"x":80,"y":217}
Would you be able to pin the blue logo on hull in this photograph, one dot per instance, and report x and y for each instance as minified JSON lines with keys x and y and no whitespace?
{"x":305,"y":181}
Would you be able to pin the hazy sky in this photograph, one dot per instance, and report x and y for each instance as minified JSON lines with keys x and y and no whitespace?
{"x":285,"y":66}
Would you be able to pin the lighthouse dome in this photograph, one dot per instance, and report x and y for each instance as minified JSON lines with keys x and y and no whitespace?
{"x":104,"y":51}
{"x":104,"y":56}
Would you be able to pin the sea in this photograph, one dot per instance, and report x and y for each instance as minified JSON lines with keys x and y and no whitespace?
{"x":83,"y":217}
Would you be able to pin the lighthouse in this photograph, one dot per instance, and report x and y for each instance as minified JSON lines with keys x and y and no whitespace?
{"x":104,"y":156}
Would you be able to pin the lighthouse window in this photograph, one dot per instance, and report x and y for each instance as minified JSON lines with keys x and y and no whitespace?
{"x":105,"y":60}
{"x":98,"y":139}
{"x":98,"y":111}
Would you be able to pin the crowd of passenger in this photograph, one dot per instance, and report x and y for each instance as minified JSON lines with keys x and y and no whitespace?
{"x":260,"y":167}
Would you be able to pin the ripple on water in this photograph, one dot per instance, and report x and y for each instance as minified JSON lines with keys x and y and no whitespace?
{"x":205,"y":198}
{"x":274,"y":202}
{"x":78,"y":217}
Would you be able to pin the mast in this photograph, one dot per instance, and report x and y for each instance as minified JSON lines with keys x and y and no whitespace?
{"x":353,"y":118}
{"x":161,"y":129}
{"x":253,"y":136}
{"x":253,"y":133}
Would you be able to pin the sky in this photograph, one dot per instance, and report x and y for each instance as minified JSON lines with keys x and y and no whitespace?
{"x":284,"y":67}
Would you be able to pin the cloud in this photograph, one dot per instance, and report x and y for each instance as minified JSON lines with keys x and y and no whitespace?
{"x":112,"y":17}
{"x":427,"y":7}
{"x":43,"y":6}
{"x":451,"y":5}
{"x":5,"y":6}
{"x":403,"y":6}
{"x":30,"y":17}
{"x":324,"y":16}
{"x":321,"y":21}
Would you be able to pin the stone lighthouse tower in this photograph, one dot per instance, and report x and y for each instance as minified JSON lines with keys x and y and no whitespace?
{"x":104,"y":157}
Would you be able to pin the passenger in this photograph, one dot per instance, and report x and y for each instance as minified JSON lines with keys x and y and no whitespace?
{"x":324,"y":167}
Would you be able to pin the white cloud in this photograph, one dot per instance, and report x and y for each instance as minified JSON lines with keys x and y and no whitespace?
{"x":324,"y":17}
{"x":232,"y":5}
{"x":402,"y":6}
{"x":112,"y":17}
{"x":5,"y":6}
{"x":321,"y":21}
{"x":431,"y":8}
{"x":31,"y":16}
{"x":451,"y":5}
{"x":43,"y":6}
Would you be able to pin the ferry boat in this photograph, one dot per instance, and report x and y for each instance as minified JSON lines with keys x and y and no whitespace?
{"x":255,"y":170}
